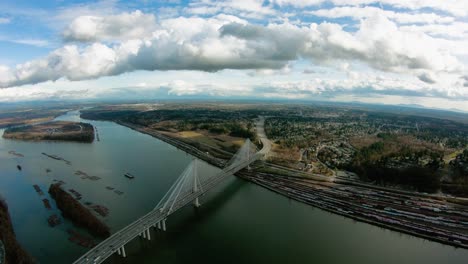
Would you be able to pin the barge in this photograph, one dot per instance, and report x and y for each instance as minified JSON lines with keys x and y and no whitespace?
{"x":130,"y":176}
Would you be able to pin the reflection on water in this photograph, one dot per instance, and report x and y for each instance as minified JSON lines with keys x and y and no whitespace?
{"x":237,"y":223}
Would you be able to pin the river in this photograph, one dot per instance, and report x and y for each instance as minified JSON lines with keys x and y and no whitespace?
{"x":239,"y":222}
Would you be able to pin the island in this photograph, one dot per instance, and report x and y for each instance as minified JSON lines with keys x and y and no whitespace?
{"x":77,"y":213}
{"x":56,"y":130}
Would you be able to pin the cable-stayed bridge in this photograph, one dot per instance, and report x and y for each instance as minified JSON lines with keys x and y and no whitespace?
{"x":186,"y":190}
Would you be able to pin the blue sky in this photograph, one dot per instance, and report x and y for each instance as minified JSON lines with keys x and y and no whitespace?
{"x":388,"y":51}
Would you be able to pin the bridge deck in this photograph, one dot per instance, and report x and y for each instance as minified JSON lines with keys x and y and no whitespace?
{"x":111,"y":245}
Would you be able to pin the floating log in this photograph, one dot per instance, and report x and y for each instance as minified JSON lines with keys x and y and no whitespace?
{"x":54,"y":220}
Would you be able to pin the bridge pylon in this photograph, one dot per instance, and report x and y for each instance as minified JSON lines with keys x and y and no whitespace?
{"x":196,"y":183}
{"x":186,"y":190}
{"x":189,"y":182}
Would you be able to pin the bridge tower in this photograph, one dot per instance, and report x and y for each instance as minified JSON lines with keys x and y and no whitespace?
{"x":186,"y":190}
{"x":196,"y":182}
{"x":248,"y":147}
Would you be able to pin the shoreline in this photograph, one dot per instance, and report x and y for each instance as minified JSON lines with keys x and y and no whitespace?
{"x":13,"y":250}
{"x":176,"y":143}
{"x":297,"y":197}
{"x":52,"y":131}
{"x":77,"y":213}
{"x":216,"y":162}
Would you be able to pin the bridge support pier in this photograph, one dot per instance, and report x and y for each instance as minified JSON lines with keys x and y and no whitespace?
{"x":187,"y":189}
{"x":148,"y":234}
{"x":121,"y":251}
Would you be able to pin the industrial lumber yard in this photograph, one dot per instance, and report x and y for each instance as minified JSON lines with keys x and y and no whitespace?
{"x":426,"y":216}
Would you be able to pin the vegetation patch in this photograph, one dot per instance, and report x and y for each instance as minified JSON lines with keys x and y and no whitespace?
{"x":77,"y":213}
{"x":58,"y":130}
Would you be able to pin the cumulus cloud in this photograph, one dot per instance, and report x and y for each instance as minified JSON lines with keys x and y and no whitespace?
{"x":406,"y":48}
{"x":328,"y":41}
{"x":465,"y":78}
{"x":371,"y":85}
{"x":181,"y":88}
{"x":455,"y":7}
{"x":180,"y":44}
{"x":243,"y":8}
{"x":134,"y":25}
{"x":427,"y":78}
{"x":368,"y":85}
{"x":92,"y":62}
{"x":228,"y":42}
{"x":456,"y":30}
{"x":369,"y":11}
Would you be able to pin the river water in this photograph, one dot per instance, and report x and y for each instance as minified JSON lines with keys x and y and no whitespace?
{"x":239,"y":222}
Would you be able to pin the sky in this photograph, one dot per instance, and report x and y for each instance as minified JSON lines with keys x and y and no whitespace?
{"x":388,"y":51}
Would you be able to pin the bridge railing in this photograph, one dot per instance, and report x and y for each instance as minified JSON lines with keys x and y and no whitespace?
{"x":116,"y":241}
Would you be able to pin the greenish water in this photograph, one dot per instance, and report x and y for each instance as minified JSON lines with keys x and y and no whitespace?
{"x":238,"y":222}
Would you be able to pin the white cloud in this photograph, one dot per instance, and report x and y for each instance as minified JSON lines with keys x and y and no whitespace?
{"x":394,"y":53}
{"x":124,"y":26}
{"x":182,"y":88}
{"x":66,"y":14}
{"x":32,"y":42}
{"x":455,"y":7}
{"x":243,"y":8}
{"x":4,"y":20}
{"x":456,"y":30}
{"x":26,"y":41}
{"x":327,"y":42}
{"x":369,"y":11}
{"x":366,"y":86}
{"x":227,"y":42}
{"x":94,"y":61}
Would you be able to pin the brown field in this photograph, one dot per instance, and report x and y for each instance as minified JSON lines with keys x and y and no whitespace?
{"x":28,"y":116}
{"x":203,"y":137}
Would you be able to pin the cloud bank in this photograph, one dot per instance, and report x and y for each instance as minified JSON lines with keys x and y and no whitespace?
{"x":326,"y":47}
{"x":227,"y":42}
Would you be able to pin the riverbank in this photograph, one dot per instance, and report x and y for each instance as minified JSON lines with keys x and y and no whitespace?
{"x":178,"y":144}
{"x":427,"y":216}
{"x":14,"y":253}
{"x":422,"y":217}
{"x":77,"y":213}
{"x":29,"y":116}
